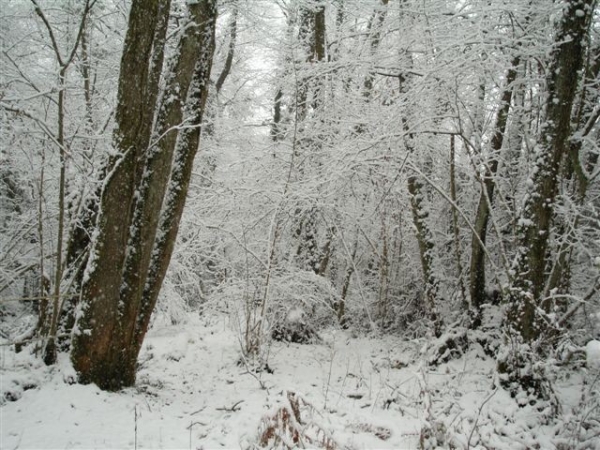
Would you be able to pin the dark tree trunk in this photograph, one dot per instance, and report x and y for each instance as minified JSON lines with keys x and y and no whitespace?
{"x":79,"y":243}
{"x":579,"y":166}
{"x":486,"y":198}
{"x":129,"y":257}
{"x":99,"y":353}
{"x":535,"y":224}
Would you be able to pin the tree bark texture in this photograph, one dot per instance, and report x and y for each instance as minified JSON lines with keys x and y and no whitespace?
{"x":553,"y":146}
{"x":145,"y":185}
{"x":426,"y":247}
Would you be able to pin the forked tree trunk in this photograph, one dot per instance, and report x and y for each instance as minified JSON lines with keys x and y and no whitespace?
{"x":144,"y":194}
{"x":80,"y":239}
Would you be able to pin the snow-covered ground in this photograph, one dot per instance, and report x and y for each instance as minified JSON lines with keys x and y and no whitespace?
{"x":350,"y":392}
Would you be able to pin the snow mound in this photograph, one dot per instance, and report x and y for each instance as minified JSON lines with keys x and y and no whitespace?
{"x":592,"y":351}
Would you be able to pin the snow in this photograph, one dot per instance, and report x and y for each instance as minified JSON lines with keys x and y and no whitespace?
{"x":592,"y":352}
{"x":193,"y":392}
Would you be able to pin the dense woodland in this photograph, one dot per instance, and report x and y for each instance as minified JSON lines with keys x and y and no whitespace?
{"x":422,"y":168}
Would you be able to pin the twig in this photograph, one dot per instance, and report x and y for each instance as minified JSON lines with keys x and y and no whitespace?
{"x":189,"y":427}
{"x":477,"y":418}
{"x":196,"y":412}
{"x":233,"y":408}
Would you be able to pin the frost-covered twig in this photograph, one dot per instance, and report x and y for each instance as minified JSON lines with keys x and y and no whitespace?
{"x":489,"y":397}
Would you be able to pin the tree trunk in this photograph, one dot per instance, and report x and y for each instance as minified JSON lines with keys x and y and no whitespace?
{"x":455,"y":227}
{"x":486,"y":199}
{"x":130,"y":256}
{"x":535,"y":223}
{"x":579,"y":167}
{"x":424,"y":239}
{"x":312,"y":32}
{"x":64,"y":62}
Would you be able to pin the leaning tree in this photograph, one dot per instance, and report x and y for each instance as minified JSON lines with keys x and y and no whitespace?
{"x":155,"y":141}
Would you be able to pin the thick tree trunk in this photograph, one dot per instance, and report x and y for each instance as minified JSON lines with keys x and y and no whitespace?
{"x":115,"y":305}
{"x":99,"y":353}
{"x":183,"y":162}
{"x":535,"y":224}
{"x":80,"y":241}
{"x":579,"y":167}
{"x":157,"y":165}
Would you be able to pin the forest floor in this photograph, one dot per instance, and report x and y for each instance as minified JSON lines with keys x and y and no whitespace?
{"x":345,"y":392}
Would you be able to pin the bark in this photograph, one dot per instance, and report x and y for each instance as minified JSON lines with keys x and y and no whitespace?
{"x":130,"y":258}
{"x":276,"y":133}
{"x":384,"y":272}
{"x":326,"y":253}
{"x":230,"y":50}
{"x":536,"y":221}
{"x":187,"y":147}
{"x":98,"y":353}
{"x":417,"y":193}
{"x":81,"y":234}
{"x":157,"y":166}
{"x":426,"y":247}
{"x":64,"y":62}
{"x":312,"y":32}
{"x":578,"y":166}
{"x":486,"y":199}
{"x":455,"y":227}
{"x":308,"y":248}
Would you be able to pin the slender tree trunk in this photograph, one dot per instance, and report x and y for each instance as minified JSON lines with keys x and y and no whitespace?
{"x":230,"y":50}
{"x":51,"y":348}
{"x":340,"y":306}
{"x":312,"y":32}
{"x":374,"y":29}
{"x":486,"y":198}
{"x":64,"y":63}
{"x":455,"y":227}
{"x":215,"y":108}
{"x":426,"y":247}
{"x":384,"y":273}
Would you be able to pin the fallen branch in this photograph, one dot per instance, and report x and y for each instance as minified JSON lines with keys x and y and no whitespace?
{"x":233,"y":408}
